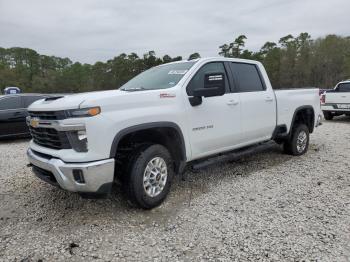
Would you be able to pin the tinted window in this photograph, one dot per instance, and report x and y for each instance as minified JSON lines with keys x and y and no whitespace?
{"x":28,"y":100}
{"x":10,"y":103}
{"x":343,"y":87}
{"x":247,"y":77}
{"x":198,"y":80}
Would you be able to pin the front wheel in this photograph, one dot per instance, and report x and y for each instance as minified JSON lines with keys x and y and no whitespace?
{"x":298,"y":143}
{"x":150,"y":175}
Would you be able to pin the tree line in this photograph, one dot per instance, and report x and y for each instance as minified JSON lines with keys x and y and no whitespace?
{"x":292,"y":62}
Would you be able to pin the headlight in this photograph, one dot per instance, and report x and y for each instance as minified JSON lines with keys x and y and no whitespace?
{"x":84,"y":112}
{"x":78,"y":140}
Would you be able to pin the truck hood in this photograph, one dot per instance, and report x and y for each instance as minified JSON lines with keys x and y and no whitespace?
{"x":63,"y":102}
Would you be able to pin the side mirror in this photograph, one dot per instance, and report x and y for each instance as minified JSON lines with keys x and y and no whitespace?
{"x":214,"y":85}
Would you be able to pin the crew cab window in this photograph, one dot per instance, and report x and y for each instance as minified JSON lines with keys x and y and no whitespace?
{"x":10,"y":103}
{"x":247,"y":77}
{"x":343,"y":87}
{"x":198,"y":80}
{"x":28,"y":100}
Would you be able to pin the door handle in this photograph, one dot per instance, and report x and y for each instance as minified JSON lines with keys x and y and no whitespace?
{"x":232,"y":102}
{"x":268,"y":99}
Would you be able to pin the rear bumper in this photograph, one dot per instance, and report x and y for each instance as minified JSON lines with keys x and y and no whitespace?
{"x":91,"y":177}
{"x":333,"y":108}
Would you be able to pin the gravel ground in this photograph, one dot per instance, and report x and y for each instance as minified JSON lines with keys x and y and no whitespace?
{"x":267,"y":207}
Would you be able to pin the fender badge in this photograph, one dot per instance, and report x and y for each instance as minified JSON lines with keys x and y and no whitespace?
{"x":167,"y":95}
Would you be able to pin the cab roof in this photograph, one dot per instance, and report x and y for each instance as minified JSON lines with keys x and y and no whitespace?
{"x":215,"y":58}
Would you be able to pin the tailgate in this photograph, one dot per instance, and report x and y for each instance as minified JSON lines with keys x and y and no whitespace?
{"x":338,"y":98}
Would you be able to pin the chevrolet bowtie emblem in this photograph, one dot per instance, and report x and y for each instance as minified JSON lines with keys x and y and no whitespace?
{"x":34,"y":122}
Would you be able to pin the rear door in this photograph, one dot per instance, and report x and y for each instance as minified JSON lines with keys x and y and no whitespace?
{"x":12,"y":116}
{"x":258,"y":105}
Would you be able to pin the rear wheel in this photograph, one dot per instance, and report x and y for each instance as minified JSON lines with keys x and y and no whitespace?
{"x":328,"y":115}
{"x":149,"y":176}
{"x":298,"y":143}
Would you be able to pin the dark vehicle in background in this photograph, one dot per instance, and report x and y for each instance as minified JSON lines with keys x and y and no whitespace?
{"x":13,"y":113}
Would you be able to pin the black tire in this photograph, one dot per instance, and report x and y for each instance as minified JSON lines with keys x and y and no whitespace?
{"x":291,"y":146}
{"x":134,"y":184}
{"x":328,"y":115}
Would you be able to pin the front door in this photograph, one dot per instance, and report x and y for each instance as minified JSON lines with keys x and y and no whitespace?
{"x":214,"y":125}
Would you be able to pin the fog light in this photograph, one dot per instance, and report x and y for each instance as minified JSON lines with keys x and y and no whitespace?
{"x":82,"y":135}
{"x":78,"y":140}
{"x":78,"y":176}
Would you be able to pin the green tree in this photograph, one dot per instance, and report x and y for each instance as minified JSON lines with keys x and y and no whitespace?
{"x":235,"y":48}
{"x":194,"y":56}
{"x":292,"y":62}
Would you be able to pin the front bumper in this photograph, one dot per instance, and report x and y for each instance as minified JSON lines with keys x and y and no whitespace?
{"x":94,"y":177}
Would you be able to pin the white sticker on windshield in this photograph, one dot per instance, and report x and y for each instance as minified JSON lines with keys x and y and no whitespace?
{"x":177,"y":72}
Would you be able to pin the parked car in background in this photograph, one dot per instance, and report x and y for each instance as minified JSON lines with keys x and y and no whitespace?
{"x":11,"y":90}
{"x":13,"y":113}
{"x":336,"y":102}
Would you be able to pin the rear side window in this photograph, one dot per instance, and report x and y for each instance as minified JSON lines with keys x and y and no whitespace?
{"x":28,"y":100}
{"x":247,"y":77}
{"x":343,"y":87}
{"x":198,"y":80}
{"x":10,"y":103}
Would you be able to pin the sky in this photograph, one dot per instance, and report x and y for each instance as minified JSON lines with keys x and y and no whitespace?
{"x":97,"y":30}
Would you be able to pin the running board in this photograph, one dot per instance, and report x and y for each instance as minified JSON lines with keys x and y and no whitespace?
{"x":232,"y":155}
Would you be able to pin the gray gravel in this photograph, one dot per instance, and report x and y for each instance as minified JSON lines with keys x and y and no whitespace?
{"x":266,"y":207}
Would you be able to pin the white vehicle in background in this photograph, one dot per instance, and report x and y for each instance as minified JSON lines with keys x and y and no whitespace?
{"x":336,"y":102}
{"x":165,"y":118}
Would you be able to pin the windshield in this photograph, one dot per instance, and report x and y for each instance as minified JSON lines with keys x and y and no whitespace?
{"x":160,"y":77}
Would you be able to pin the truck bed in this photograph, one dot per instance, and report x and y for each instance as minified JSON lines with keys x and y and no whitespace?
{"x":290,"y":99}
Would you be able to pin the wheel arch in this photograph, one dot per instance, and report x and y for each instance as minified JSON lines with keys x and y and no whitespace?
{"x":177,"y":148}
{"x":304,"y":114}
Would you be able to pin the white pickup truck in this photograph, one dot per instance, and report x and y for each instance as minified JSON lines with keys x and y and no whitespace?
{"x":165,"y":118}
{"x":336,"y":102}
